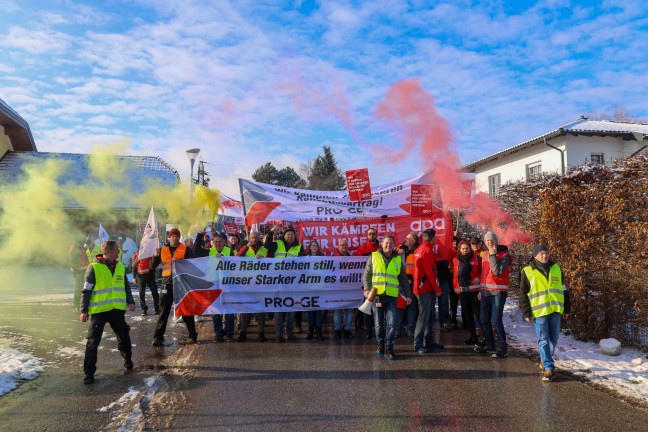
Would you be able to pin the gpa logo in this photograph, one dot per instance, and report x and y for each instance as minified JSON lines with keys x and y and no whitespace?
{"x":279,"y":302}
{"x":421,"y":225}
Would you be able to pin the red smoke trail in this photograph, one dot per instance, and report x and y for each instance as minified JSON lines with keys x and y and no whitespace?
{"x":412,"y":112}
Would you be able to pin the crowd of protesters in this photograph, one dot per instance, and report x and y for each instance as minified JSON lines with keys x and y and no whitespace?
{"x":407,"y":286}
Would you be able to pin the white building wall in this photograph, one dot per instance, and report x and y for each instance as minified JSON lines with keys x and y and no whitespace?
{"x":580,"y":148}
{"x":514,"y":166}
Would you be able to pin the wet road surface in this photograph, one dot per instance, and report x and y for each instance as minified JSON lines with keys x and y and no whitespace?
{"x":302,"y":385}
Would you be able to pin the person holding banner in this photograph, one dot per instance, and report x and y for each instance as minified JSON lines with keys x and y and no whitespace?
{"x":285,"y":246}
{"x":371,"y":246}
{"x":253,"y":249}
{"x":219,"y":249}
{"x":385,"y":272}
{"x":426,"y":288}
{"x":343,"y":250}
{"x":172,"y":251}
{"x":315,"y":318}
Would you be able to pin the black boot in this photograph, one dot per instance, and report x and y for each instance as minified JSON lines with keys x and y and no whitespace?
{"x":309,"y":335}
{"x":318,"y":331}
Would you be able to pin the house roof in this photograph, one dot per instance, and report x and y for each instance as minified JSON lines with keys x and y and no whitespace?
{"x":16,"y":128}
{"x":141,"y":171}
{"x":582,"y":126}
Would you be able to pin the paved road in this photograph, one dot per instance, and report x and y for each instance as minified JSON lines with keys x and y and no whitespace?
{"x":268,"y":386}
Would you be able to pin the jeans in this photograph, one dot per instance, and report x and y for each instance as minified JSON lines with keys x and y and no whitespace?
{"x":547,"y":329}
{"x":245,"y":322}
{"x":337,"y":319}
{"x":492,"y":311}
{"x":443,"y":303}
{"x":423,"y":335}
{"x":229,"y":324}
{"x":385,"y":316}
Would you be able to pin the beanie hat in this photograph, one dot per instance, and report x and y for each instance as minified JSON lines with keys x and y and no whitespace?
{"x":475,"y":241}
{"x":289,"y":229}
{"x":537,"y":249}
{"x":174,"y":231}
{"x":490,"y":234}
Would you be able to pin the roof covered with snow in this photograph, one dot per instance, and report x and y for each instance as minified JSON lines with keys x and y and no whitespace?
{"x":16,"y":128}
{"x":141,"y":170}
{"x":582,"y":126}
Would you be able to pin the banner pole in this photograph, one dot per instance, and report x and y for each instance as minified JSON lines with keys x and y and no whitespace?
{"x":362,"y":207}
{"x":458,"y":215}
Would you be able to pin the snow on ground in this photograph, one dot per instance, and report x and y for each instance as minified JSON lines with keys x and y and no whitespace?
{"x":626,"y":374}
{"x":17,"y":366}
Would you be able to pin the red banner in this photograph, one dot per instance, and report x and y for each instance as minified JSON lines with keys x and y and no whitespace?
{"x":230,"y":228}
{"x":422,"y":200}
{"x":329,"y":233}
{"x":358,"y":184}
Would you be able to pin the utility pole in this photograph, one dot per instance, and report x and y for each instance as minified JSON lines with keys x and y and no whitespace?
{"x":202,"y":177}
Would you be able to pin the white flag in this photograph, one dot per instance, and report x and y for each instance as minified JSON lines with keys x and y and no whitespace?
{"x":149,"y":242}
{"x":103,"y":234}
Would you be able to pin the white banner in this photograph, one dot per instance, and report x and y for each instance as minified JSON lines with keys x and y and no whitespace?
{"x":211,"y":285}
{"x":103,"y":234}
{"x":269,"y":202}
{"x":149,"y":242}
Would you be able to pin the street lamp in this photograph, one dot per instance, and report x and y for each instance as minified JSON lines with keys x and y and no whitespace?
{"x":192,"y":155}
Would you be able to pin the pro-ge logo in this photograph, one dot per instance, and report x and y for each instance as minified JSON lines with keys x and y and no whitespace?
{"x":279,"y":302}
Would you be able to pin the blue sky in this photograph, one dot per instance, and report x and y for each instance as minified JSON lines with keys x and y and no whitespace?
{"x":254,"y":81}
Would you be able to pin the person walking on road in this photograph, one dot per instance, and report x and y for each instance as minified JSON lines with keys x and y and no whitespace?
{"x":285,"y":246}
{"x":385,"y":271}
{"x":166,"y":255}
{"x":144,"y":277}
{"x":105,"y":297}
{"x":253,"y":249}
{"x":545,"y":300}
{"x":494,"y":283}
{"x":426,"y":287}
{"x":343,"y":250}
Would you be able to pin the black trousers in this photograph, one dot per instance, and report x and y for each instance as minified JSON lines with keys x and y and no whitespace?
{"x":117,"y":322}
{"x":144,"y":280}
{"x":470,"y":310}
{"x":166,"y":303}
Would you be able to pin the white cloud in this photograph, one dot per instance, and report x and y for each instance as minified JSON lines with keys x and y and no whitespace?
{"x":36,"y":41}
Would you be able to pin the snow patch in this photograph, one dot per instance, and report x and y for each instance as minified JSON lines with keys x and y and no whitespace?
{"x":16,"y":366}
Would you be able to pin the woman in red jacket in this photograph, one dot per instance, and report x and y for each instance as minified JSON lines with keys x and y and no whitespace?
{"x":467,"y":271}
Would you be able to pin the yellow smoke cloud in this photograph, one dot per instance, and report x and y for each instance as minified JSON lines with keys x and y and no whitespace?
{"x":36,"y":228}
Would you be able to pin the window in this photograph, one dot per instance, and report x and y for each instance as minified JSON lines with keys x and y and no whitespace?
{"x":533,"y":170}
{"x":494,"y":184}
{"x":597,"y":158}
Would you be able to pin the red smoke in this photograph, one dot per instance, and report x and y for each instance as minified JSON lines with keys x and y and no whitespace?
{"x":412,"y":113}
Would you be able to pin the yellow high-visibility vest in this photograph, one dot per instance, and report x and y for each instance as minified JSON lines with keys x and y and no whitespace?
{"x":546,"y":296}
{"x":385,"y":278}
{"x":108,"y":292}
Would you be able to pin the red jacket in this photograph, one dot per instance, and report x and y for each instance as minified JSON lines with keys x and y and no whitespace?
{"x":475,"y":274}
{"x":366,"y":249}
{"x":425,"y":270}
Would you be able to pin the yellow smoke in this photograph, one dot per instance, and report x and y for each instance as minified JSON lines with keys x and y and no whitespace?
{"x":36,"y":228}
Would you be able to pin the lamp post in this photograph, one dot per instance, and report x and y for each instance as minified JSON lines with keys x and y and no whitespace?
{"x":192,"y":154}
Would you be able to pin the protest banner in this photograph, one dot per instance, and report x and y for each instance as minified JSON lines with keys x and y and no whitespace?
{"x":358,"y":185}
{"x":329,"y":233}
{"x":263,"y":202}
{"x":212,"y":285}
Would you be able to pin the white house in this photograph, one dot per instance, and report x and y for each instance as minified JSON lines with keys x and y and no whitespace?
{"x":584,"y":140}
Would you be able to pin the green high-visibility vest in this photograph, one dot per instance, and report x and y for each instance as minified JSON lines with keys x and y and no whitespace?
{"x":225,"y":252}
{"x":385,"y":278}
{"x":108,"y":292}
{"x":281,"y":250}
{"x":262,"y":252}
{"x":546,"y":296}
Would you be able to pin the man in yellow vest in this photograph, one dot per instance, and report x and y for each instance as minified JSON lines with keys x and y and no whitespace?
{"x":285,"y":246}
{"x":385,"y":271}
{"x":254,"y":249}
{"x":544,"y":300}
{"x":219,"y":250}
{"x":106,"y":294}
